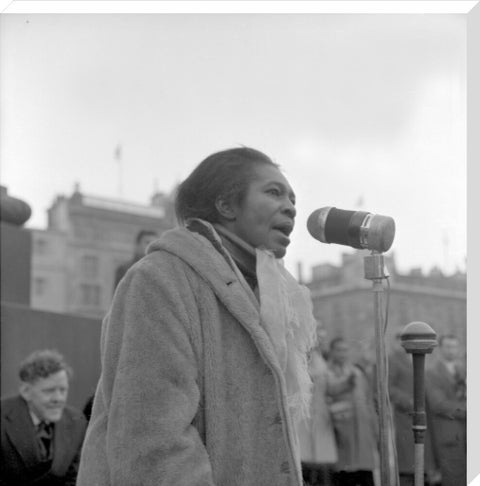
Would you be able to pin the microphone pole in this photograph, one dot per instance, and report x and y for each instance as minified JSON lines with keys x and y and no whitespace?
{"x":375,"y":271}
{"x":419,"y":339}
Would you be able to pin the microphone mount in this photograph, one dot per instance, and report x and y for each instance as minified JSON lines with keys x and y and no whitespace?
{"x":374,"y":268}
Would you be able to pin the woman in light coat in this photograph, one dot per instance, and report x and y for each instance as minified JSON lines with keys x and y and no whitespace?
{"x":204,"y":348}
{"x":316,"y":434}
{"x":354,"y":419}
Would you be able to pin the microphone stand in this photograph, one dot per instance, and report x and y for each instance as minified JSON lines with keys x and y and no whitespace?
{"x":374,"y":269}
{"x":419,"y":339}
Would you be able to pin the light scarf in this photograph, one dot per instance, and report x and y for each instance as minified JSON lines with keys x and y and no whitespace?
{"x":286,"y":312}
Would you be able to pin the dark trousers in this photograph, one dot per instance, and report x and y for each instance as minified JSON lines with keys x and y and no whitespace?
{"x":354,"y":478}
{"x":317,"y":474}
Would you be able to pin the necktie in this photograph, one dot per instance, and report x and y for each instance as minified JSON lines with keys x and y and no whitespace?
{"x":44,"y":437}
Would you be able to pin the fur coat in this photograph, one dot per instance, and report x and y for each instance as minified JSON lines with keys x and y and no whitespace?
{"x":191,"y":391}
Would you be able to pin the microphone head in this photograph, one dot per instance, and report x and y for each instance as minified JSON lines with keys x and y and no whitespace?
{"x":381,"y":233}
{"x":418,"y":337}
{"x":316,"y":223}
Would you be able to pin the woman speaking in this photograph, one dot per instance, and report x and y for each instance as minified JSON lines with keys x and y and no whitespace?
{"x":204,"y":370}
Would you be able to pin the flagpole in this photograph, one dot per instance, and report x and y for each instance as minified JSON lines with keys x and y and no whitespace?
{"x":118,"y":158}
{"x":445,"y":252}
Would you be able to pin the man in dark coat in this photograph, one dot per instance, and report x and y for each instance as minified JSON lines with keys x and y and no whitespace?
{"x":143,"y":239}
{"x":41,"y":437}
{"x":446,"y":396}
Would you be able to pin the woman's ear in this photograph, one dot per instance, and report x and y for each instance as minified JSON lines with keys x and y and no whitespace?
{"x":225,"y":209}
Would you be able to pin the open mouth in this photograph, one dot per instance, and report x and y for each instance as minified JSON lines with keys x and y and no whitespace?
{"x":285,"y":228}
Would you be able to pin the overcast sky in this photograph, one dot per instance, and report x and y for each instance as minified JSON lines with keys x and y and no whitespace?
{"x":361,"y":111}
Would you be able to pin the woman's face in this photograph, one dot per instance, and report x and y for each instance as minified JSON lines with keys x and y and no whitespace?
{"x":265,"y":218}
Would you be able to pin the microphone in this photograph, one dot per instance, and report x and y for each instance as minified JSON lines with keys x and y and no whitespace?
{"x":357,"y":229}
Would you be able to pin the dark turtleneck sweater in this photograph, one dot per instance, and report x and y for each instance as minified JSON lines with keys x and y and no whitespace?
{"x":242,"y":253}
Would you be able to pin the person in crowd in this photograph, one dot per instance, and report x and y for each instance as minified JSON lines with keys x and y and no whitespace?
{"x":350,"y":398}
{"x":316,"y":435}
{"x":365,"y":358}
{"x":41,"y":436}
{"x":143,"y":239}
{"x":445,"y":385}
{"x":204,"y":369}
{"x":400,"y":377}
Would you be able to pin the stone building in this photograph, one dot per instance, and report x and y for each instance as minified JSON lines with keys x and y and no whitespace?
{"x":343,"y":301}
{"x":24,"y":329}
{"x":87,"y":238}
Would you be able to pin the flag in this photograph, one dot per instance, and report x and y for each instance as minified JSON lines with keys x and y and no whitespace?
{"x":117,"y":153}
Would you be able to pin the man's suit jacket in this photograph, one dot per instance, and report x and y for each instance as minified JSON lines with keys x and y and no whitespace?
{"x":446,"y":399}
{"x":20,"y":461}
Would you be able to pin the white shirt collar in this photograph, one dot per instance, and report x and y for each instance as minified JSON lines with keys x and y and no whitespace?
{"x":36,"y":421}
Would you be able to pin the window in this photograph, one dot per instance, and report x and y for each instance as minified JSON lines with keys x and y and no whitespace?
{"x":39,"y":286}
{"x":90,"y":295}
{"x":40,"y":246}
{"x":90,"y":266}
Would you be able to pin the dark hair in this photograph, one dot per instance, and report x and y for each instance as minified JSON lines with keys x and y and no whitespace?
{"x":226,"y":175}
{"x":143,"y":233}
{"x":447,"y":336}
{"x":42,"y":364}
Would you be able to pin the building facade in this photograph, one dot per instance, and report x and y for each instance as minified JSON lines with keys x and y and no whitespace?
{"x":87,"y":238}
{"x":343,"y":301}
